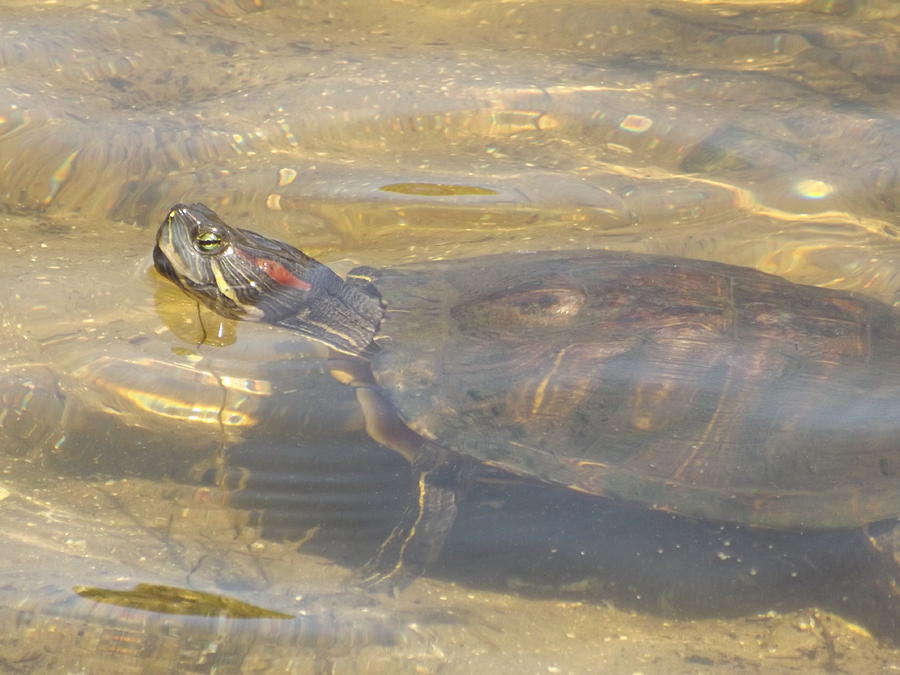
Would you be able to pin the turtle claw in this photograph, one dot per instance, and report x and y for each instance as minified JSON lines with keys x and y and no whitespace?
{"x":401,"y":558}
{"x":389,"y":582}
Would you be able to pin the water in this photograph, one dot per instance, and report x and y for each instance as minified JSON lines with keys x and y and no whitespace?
{"x":146,"y":442}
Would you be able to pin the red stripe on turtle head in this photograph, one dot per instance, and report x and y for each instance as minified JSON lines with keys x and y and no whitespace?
{"x":277,"y":272}
{"x":281,"y":274}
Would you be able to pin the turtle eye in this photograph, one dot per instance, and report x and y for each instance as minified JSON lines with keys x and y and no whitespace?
{"x":209,"y":242}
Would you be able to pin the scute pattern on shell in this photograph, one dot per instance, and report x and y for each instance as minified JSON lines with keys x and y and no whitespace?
{"x":706,"y":389}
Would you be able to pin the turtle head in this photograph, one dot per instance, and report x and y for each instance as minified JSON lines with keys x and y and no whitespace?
{"x":243,"y":275}
{"x":189,"y":246}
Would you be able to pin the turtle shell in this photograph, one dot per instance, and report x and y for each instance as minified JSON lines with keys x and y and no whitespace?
{"x":705,"y":389}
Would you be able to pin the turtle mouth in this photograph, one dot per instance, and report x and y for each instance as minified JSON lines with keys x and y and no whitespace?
{"x":164,"y":265}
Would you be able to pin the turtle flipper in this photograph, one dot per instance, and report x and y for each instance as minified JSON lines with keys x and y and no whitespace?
{"x":439,"y":479}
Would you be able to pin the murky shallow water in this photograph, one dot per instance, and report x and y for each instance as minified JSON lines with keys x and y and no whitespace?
{"x":144,"y":443}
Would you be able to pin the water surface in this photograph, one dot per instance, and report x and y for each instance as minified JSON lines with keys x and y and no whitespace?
{"x":181,"y":494}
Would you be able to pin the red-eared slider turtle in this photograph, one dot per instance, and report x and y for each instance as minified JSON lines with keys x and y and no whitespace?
{"x":708,"y":390}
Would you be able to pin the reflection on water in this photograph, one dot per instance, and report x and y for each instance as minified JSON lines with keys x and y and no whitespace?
{"x":226,"y":461}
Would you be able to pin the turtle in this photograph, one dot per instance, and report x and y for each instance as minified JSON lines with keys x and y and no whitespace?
{"x":717,"y":392}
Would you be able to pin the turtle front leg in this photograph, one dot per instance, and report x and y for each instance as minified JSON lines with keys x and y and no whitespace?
{"x":439,"y":481}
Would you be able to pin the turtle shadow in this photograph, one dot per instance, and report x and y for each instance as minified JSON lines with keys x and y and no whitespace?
{"x":549,"y":542}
